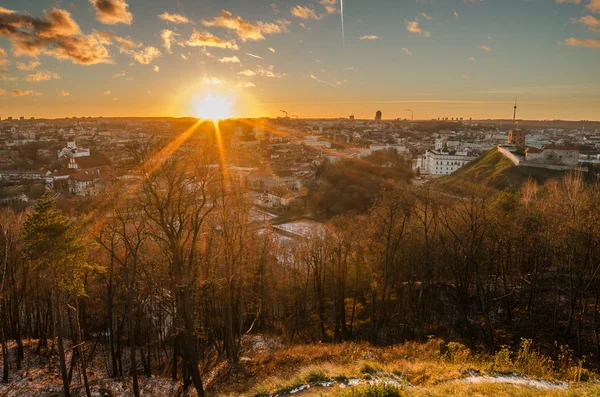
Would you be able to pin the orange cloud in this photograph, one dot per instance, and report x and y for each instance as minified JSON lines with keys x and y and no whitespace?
{"x":168,"y":37}
{"x":594,"y":6}
{"x":592,"y":23}
{"x":588,"y":43}
{"x":29,"y":66}
{"x":369,"y":37}
{"x":174,"y":18}
{"x":206,"y":39}
{"x":64,"y":93}
{"x":147,"y":55}
{"x":42,"y":75}
{"x":112,"y":12}
{"x":247,"y":31}
{"x":55,"y":34}
{"x":232,"y":59}
{"x":413,"y":27}
{"x":22,"y":93}
{"x":305,"y":13}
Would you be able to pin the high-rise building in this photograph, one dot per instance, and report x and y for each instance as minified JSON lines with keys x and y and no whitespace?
{"x":378,"y":115}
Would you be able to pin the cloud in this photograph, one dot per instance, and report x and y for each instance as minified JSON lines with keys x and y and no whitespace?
{"x":413,"y":27}
{"x":247,"y":31}
{"x":369,"y":37}
{"x":112,"y":12}
{"x":485,"y":48}
{"x":272,"y":50}
{"x":174,"y":18}
{"x":107,"y":92}
{"x":465,"y":77}
{"x":330,"y":6}
{"x":568,"y":1}
{"x":5,"y":76}
{"x":156,"y":69}
{"x":2,"y":92}
{"x":588,"y":43}
{"x":232,"y":59}
{"x":64,"y":93}
{"x":117,"y":75}
{"x":147,"y":55}
{"x":305,"y":13}
{"x":456,"y":16}
{"x":42,"y":75}
{"x":472,"y":59}
{"x":22,"y":93}
{"x":4,"y":61}
{"x":2,"y":52}
{"x":249,"y":85}
{"x":260,"y":71}
{"x":594,"y":6}
{"x":206,"y":39}
{"x":254,"y":56}
{"x":130,"y":47}
{"x":55,"y":34}
{"x":184,"y":57}
{"x":406,"y":51}
{"x":426,"y":16}
{"x":27,"y":66}
{"x":168,"y":37}
{"x":592,"y":23}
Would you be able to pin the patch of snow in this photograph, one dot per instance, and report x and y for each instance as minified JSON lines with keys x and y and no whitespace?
{"x":514,"y":380}
{"x":299,"y":389}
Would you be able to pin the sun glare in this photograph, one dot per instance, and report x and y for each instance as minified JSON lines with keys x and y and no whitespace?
{"x":213,"y":107}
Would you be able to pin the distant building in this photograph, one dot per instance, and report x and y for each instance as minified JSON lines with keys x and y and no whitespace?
{"x":95,"y":162}
{"x":73,"y":151}
{"x":516,"y":137}
{"x":261,"y":180}
{"x":553,"y":155}
{"x":445,"y":162}
{"x":378,"y":115}
{"x":351,"y":117}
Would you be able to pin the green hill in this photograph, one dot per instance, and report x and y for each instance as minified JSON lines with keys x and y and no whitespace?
{"x":497,"y":172}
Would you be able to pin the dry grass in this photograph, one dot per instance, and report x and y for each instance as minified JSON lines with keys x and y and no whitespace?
{"x":433,"y":368}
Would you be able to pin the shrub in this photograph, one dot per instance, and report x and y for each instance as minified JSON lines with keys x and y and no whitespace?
{"x":317,"y":376}
{"x":370,"y":369}
{"x":456,"y":352}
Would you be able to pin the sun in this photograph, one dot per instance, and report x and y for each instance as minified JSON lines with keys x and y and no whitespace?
{"x":213,"y":107}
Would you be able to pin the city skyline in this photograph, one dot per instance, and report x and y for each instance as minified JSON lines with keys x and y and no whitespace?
{"x":461,"y":58}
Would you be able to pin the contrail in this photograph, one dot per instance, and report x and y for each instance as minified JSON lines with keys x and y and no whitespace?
{"x":255,"y":56}
{"x":342,"y":12}
{"x":315,"y":78}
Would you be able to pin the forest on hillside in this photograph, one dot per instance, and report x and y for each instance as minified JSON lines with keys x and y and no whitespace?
{"x":164,"y":277}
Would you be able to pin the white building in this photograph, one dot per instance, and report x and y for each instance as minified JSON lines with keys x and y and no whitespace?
{"x":73,"y":151}
{"x":444,"y":162}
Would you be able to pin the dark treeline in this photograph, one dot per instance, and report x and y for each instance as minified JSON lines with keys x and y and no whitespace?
{"x":164,"y":276}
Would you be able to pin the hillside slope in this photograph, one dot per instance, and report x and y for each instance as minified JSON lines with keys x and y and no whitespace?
{"x":497,"y":172}
{"x":270,"y":368}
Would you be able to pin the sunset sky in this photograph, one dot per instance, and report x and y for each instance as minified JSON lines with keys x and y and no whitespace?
{"x":441,"y":58}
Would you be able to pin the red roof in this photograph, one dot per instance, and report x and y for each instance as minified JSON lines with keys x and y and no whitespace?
{"x":533,"y":150}
{"x":82,"y":177}
{"x":92,"y":161}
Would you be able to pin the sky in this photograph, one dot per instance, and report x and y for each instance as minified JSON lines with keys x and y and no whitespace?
{"x":438,"y":58}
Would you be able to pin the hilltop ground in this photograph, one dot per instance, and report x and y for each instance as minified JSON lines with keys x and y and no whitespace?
{"x":268,"y":368}
{"x":497,"y":172}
